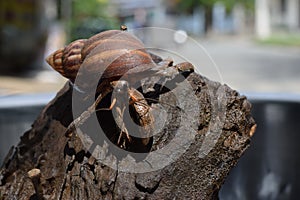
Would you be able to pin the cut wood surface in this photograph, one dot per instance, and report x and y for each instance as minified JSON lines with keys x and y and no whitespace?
{"x":208,"y":126}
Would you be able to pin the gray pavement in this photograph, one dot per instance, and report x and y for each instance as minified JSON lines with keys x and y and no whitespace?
{"x":250,"y":67}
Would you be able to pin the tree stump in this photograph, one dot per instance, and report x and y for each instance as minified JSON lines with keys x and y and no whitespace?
{"x":207,"y":128}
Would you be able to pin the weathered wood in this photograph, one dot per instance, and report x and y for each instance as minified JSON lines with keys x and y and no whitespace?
{"x":209,"y":135}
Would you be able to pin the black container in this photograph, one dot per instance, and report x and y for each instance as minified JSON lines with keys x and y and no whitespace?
{"x":270,"y":167}
{"x":17,"y":114}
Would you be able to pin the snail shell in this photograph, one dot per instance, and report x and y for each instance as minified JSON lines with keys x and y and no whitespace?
{"x":112,"y":54}
{"x":67,"y":60}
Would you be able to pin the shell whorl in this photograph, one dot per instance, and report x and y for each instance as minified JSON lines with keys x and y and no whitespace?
{"x":55,"y":60}
{"x":67,"y":60}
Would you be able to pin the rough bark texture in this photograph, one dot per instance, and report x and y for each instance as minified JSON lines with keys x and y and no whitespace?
{"x":68,"y":171}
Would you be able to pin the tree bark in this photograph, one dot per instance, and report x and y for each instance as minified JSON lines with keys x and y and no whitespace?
{"x":208,"y":127}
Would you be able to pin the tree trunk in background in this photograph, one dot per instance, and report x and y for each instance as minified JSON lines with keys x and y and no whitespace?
{"x":215,"y":140}
{"x":208,"y":19}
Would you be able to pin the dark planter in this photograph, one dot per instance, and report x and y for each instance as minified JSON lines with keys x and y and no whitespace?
{"x":17,"y":114}
{"x":269,"y":169}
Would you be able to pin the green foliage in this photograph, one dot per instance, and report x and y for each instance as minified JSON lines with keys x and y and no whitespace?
{"x":282,"y":40}
{"x":188,"y":5}
{"x":90,"y":17}
{"x":90,"y":8}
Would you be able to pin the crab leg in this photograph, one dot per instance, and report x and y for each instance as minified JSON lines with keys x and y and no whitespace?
{"x":86,"y":114}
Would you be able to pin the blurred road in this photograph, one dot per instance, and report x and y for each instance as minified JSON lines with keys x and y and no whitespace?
{"x":244,"y":65}
{"x":250,"y":67}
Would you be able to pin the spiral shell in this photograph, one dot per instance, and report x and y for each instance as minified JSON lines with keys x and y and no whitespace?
{"x":67,"y":60}
{"x":112,"y":53}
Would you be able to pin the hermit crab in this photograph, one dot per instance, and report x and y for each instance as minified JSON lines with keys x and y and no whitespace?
{"x":113,"y":60}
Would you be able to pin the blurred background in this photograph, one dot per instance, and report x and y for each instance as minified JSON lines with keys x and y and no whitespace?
{"x":255,"y":45}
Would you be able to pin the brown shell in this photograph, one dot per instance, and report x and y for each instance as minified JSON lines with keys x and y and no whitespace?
{"x":67,"y":60}
{"x":110,"y":53}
